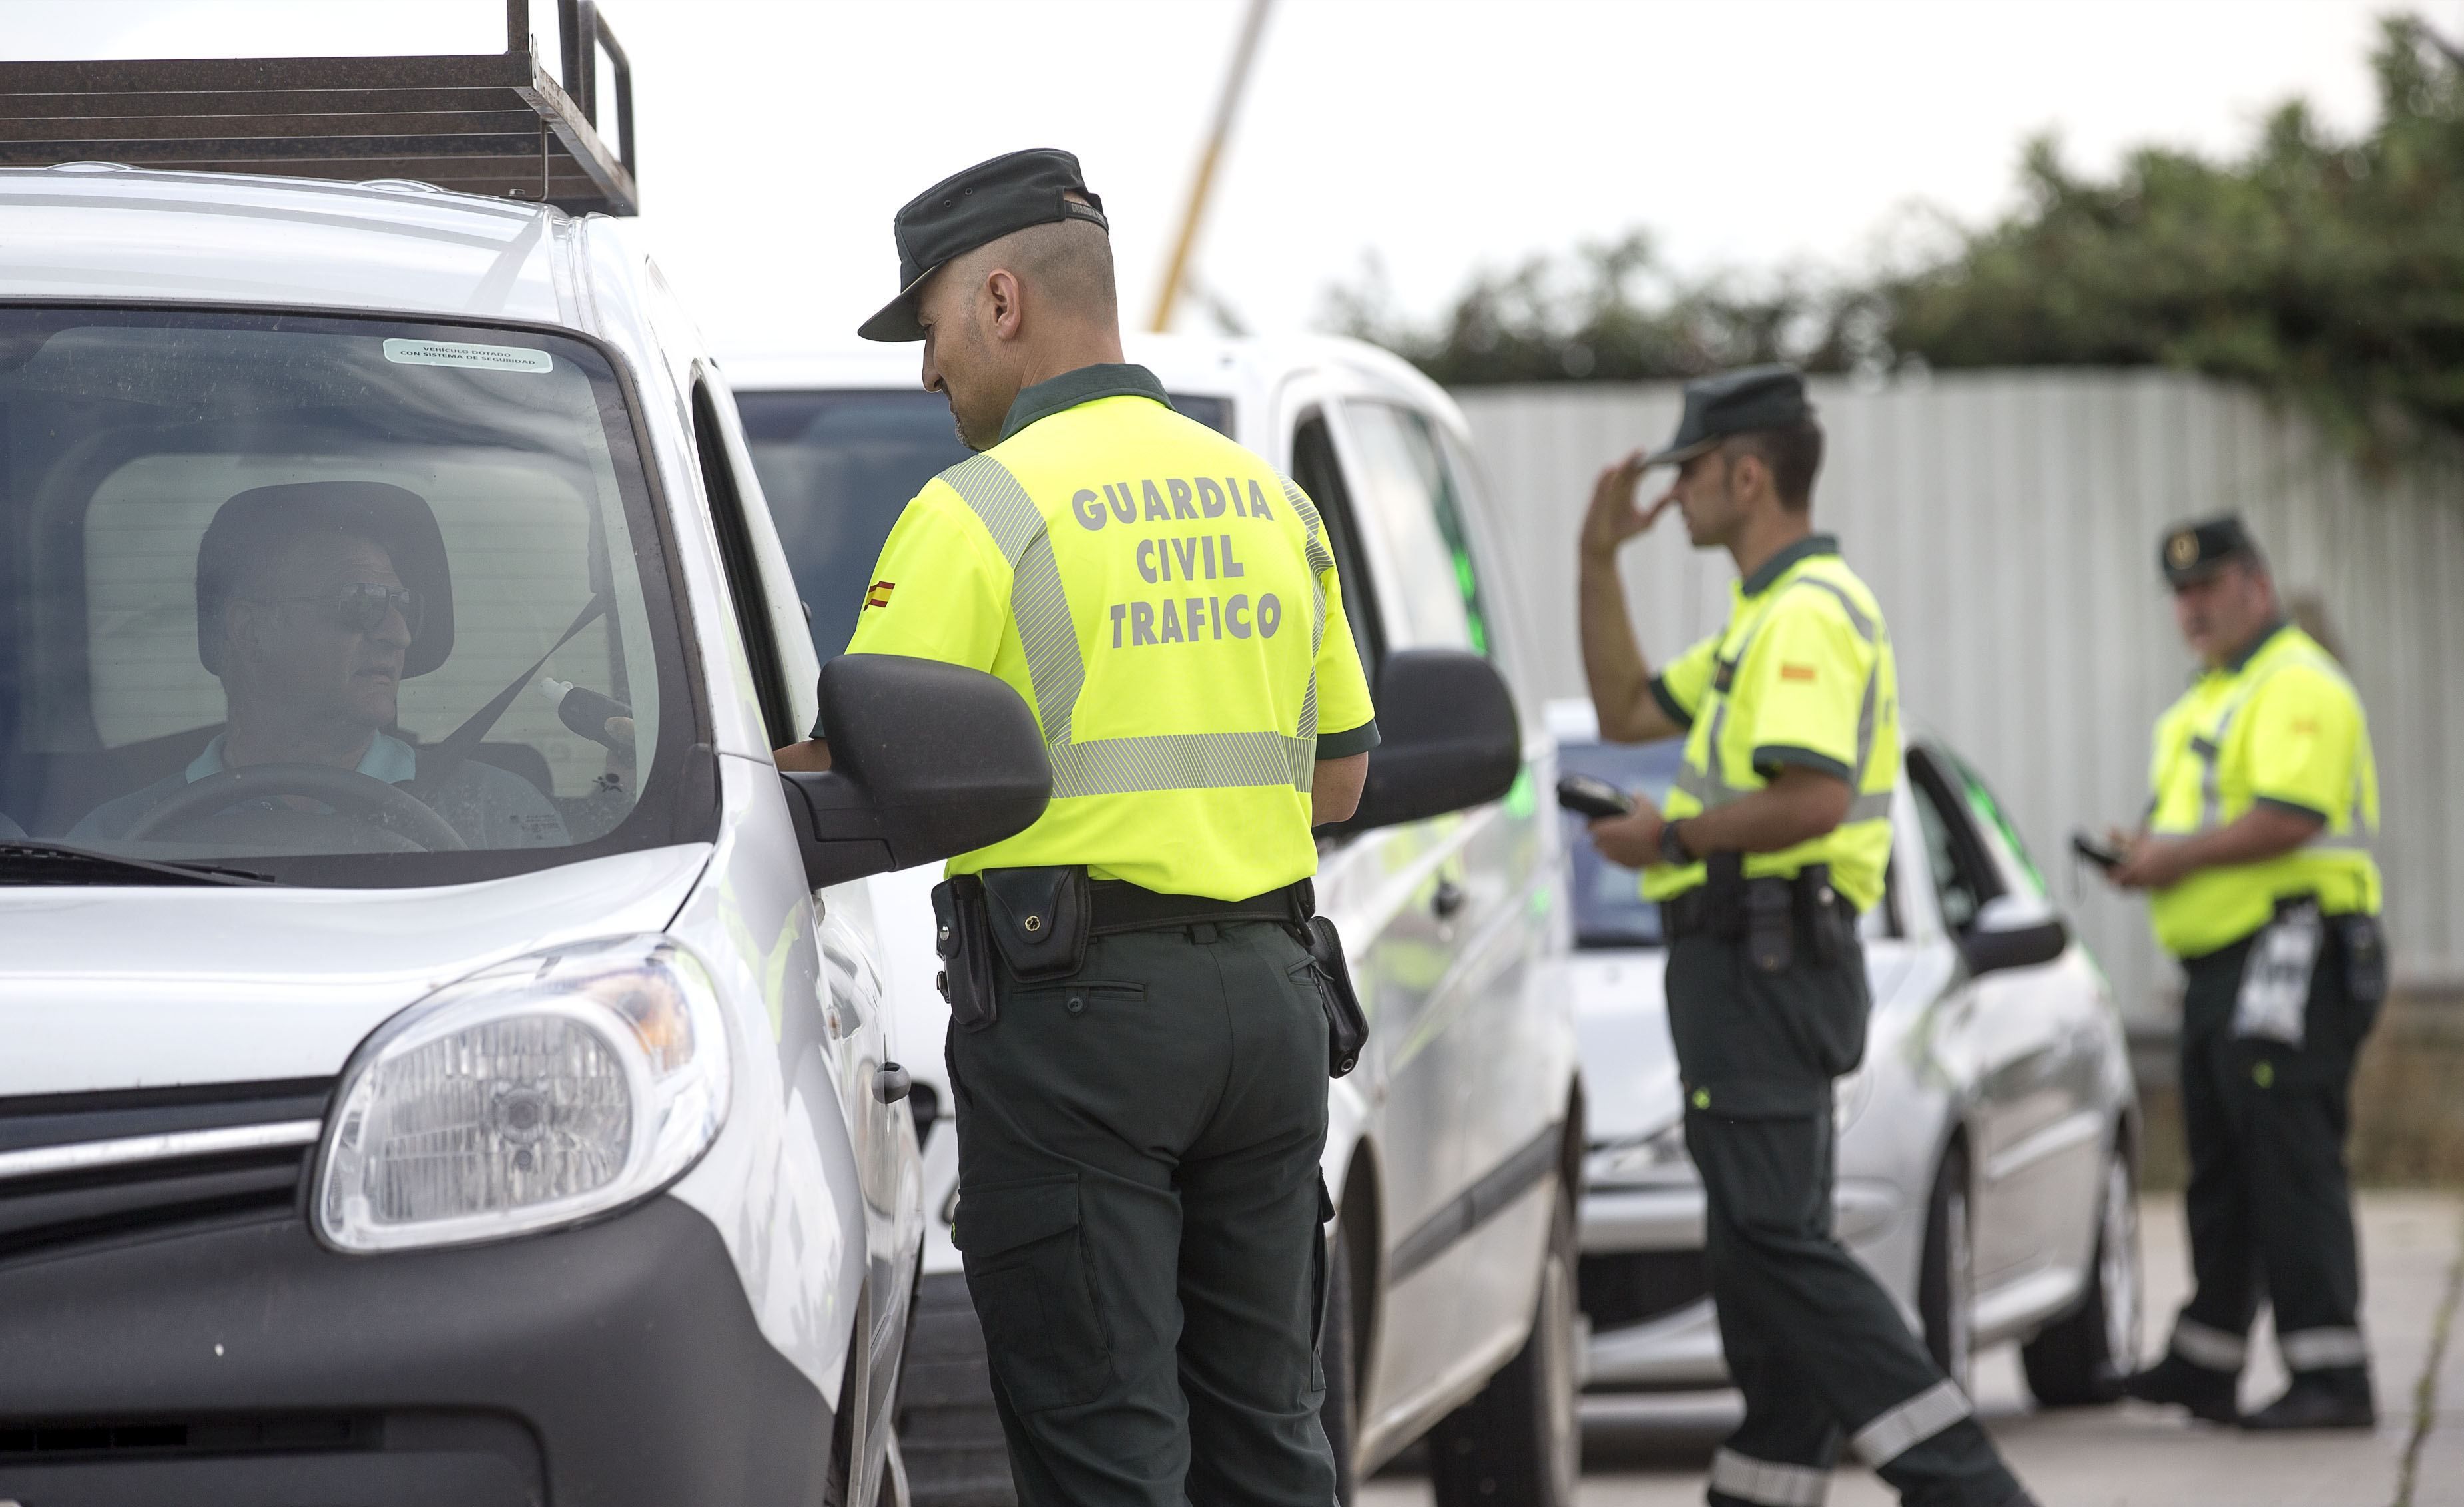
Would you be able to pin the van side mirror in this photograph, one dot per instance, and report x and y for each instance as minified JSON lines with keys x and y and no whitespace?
{"x":2013,"y":932}
{"x":926,"y":760}
{"x":1449,"y":738}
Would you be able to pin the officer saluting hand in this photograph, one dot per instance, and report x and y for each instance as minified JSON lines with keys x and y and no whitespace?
{"x":1775,"y":836}
{"x":2257,"y":851}
{"x":1139,"y":1051}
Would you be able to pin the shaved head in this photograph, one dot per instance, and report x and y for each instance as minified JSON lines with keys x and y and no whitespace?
{"x":1013,"y":312}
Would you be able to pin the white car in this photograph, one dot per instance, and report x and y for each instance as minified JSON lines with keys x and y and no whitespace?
{"x":1988,"y":1159}
{"x":1452,"y":1149}
{"x":509,"y":1118}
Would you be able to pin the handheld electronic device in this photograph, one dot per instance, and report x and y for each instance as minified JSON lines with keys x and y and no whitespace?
{"x":2095,"y":852}
{"x":1591,"y":798}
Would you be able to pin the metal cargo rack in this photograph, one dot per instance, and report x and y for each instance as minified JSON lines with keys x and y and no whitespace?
{"x":495,"y":124}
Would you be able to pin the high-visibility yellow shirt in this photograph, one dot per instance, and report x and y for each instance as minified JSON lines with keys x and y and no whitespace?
{"x":1167,"y":606}
{"x":1802,"y":675}
{"x":2281,"y":726}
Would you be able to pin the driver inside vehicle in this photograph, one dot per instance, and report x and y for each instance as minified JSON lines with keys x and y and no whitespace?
{"x":315,"y":602}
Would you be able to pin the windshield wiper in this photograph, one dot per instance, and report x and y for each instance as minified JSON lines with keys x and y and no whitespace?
{"x":25,"y":861}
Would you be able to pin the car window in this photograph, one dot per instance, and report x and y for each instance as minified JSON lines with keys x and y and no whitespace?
{"x":1408,"y":497}
{"x":1955,"y":887}
{"x":2018,"y":871}
{"x":1317,"y":471}
{"x":236,"y":540}
{"x":838,"y":467}
{"x":1608,"y":907}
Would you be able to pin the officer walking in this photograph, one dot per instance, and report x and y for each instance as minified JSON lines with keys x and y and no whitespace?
{"x":1138,"y":1049}
{"x":2255,"y":854}
{"x":1775,"y":836}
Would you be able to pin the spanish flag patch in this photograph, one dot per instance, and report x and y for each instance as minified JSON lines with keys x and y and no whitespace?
{"x":877,"y":594}
{"x":1788,"y":671}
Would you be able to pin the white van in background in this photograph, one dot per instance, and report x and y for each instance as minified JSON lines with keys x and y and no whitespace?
{"x":1454,"y":1150}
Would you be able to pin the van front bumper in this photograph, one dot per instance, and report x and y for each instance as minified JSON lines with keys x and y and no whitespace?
{"x":246,"y":1365}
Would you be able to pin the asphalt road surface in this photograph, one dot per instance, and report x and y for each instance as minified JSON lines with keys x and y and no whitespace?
{"x":1653,"y":1452}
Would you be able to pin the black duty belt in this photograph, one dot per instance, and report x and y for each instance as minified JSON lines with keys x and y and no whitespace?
{"x":1697,"y":913}
{"x":1119,"y":906}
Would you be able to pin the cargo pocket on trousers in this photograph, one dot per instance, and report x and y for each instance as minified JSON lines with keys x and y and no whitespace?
{"x":1027,"y":1270}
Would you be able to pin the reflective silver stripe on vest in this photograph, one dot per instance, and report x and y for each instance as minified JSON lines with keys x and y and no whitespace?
{"x":2209,"y":1347}
{"x":2322,"y":1349}
{"x":1711,"y":788}
{"x":1768,"y":1481}
{"x":1910,"y":1424}
{"x":2209,"y":751}
{"x":1319,"y":563}
{"x":1048,"y":637}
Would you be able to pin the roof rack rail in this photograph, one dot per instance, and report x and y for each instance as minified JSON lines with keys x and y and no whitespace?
{"x":493,"y":123}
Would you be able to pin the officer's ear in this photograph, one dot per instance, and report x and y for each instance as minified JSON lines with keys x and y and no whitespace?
{"x":1002,"y":303}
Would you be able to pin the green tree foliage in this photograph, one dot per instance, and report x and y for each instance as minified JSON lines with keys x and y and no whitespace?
{"x":2327,"y":271}
{"x":1611,"y":313}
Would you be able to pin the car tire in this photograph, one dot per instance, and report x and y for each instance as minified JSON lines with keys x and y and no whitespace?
{"x":1521,"y":1439}
{"x":1947,"y":1277}
{"x":1338,"y":1414}
{"x":2079,"y":1361}
{"x":949,"y":1429}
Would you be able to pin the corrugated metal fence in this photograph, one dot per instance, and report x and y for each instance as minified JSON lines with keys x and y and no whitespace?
{"x":2009,"y":522}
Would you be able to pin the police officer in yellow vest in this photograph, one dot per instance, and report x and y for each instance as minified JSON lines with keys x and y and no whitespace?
{"x":1139,"y":1040}
{"x":1774,"y":837}
{"x":2257,"y":853}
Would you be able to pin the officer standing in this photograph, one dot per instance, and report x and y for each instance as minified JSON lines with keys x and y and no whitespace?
{"x":1775,"y":836}
{"x":2256,"y":853}
{"x":1138,"y":1049}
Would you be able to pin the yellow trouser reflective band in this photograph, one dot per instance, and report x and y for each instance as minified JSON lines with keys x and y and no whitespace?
{"x":1713,"y":790}
{"x":1049,"y":637}
{"x":1768,"y":1481}
{"x":1910,"y":1424}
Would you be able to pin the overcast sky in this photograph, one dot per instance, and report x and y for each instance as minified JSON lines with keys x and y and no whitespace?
{"x":1441,"y":136}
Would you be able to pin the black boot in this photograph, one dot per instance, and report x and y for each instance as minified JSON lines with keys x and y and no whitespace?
{"x":2318,"y":1401}
{"x":2175,"y":1380}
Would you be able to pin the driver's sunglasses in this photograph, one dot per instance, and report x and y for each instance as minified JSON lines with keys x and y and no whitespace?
{"x":362,"y":605}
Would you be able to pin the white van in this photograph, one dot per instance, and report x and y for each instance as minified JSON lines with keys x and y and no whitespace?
{"x":1452,"y":1151}
{"x":445,"y":1059}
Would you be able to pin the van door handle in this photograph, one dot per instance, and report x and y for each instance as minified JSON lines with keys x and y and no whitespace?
{"x":890,"y":1082}
{"x":1449,"y":899}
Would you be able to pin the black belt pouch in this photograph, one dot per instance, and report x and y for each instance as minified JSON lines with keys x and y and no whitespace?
{"x":1770,"y":924}
{"x":2366,"y":972}
{"x":959,"y":936}
{"x":1347,"y":1028}
{"x":1039,"y":919}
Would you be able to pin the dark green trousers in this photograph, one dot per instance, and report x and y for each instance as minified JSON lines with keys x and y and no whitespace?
{"x":2270,"y":1205}
{"x":1812,"y":1340}
{"x":1141,"y":1215}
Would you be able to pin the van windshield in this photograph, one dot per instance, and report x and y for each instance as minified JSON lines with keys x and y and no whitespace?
{"x":336,"y":601}
{"x":837,"y":468}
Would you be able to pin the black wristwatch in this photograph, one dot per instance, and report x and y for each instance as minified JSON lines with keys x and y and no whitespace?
{"x":1672,"y":846}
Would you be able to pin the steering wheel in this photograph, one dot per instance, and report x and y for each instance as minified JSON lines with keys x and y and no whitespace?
{"x":390,"y":805}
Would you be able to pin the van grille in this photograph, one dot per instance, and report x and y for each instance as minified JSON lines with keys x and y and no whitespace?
{"x":1627,"y":1287}
{"x":81,"y":1167}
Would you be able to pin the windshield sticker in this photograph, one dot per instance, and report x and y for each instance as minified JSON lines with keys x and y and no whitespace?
{"x":452,"y":353}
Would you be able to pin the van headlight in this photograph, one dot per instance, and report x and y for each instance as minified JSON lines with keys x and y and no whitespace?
{"x":534,"y":1093}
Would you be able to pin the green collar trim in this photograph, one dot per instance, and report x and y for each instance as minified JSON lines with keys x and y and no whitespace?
{"x":1772,"y":569}
{"x":2250,"y":651}
{"x":1086,"y":384}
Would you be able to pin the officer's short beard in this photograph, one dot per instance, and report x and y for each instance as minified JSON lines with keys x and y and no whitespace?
{"x":978,"y":430}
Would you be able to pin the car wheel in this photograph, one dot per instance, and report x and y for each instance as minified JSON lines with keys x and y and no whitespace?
{"x":2081,"y":1359}
{"x":1520,"y":1440}
{"x":1338,"y":1414}
{"x":1946,"y":1280}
